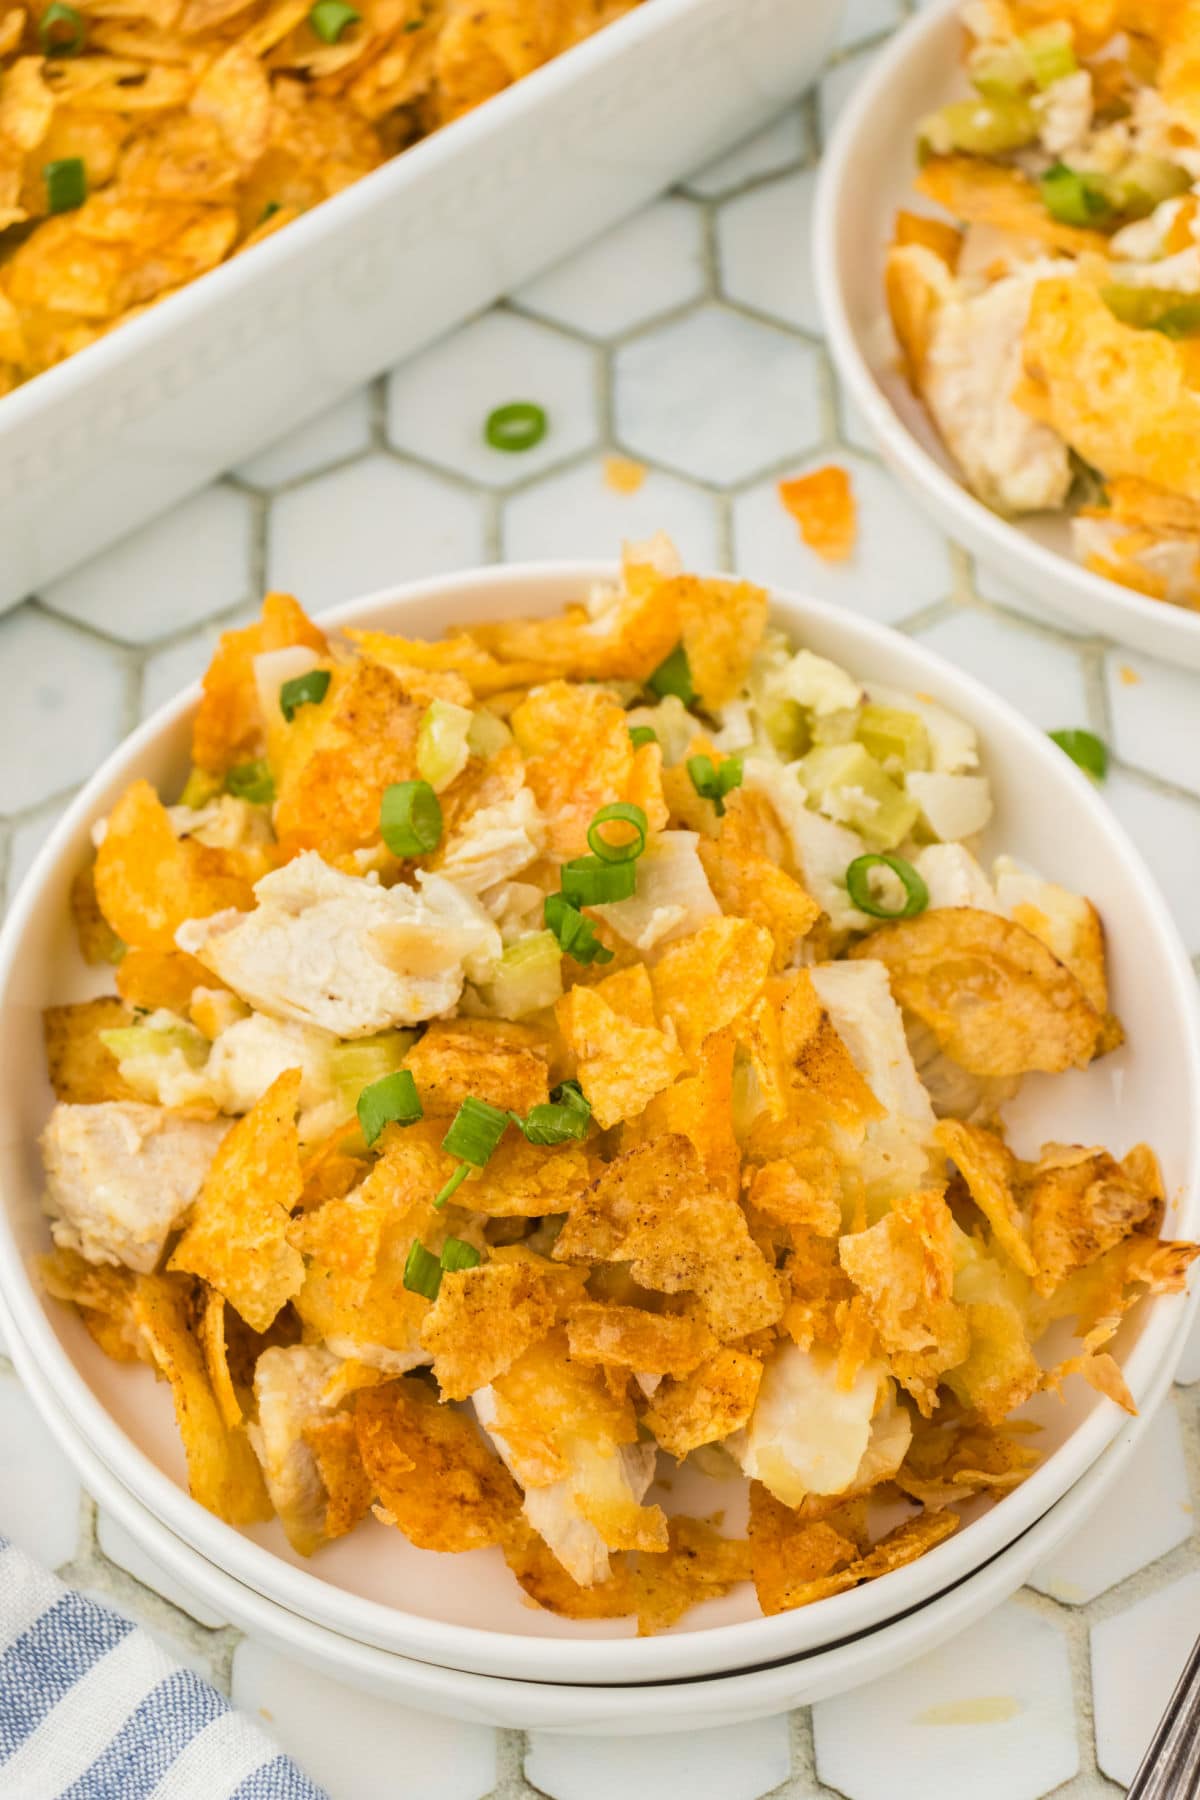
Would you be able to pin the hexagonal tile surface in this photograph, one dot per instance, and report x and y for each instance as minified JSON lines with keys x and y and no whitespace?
{"x":865,"y":19}
{"x":836,"y":87}
{"x":439,"y":403}
{"x":1137,"y":1656}
{"x":153,"y":582}
{"x":993,"y":586}
{"x":578,"y":513}
{"x":1154,"y":716}
{"x":765,"y":257}
{"x":900,"y":563}
{"x":69,"y":702}
{"x":990,"y":1714}
{"x":368,"y":526}
{"x":1153,"y":1489}
{"x":737,"y":1763}
{"x":645,"y":266}
{"x":776,"y":147}
{"x":1041,"y":678}
{"x":168,"y":670}
{"x":716,"y":396}
{"x":340,"y":432}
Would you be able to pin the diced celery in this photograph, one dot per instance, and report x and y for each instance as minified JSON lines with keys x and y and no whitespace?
{"x":355,"y":1065}
{"x":846,"y":783}
{"x":1168,"y":310}
{"x":671,"y":723}
{"x":835,"y":727}
{"x":199,"y":789}
{"x":898,"y":740}
{"x":487,"y":734}
{"x":442,"y":743}
{"x":1076,"y":197}
{"x":1144,"y":182}
{"x":1048,"y":54}
{"x":126,"y":1042}
{"x":527,"y":978}
{"x":999,"y":71}
{"x":786,"y":727}
{"x":981,"y":127}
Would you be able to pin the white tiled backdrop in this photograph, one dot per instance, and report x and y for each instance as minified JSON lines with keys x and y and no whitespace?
{"x":688,"y":339}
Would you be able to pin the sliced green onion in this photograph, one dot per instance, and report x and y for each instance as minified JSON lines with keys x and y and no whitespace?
{"x":475,"y":1130}
{"x":455,"y":1182}
{"x":515,"y":427}
{"x":565,"y":1117}
{"x":488,"y":734}
{"x":66,"y":184}
{"x":251,"y":781}
{"x":392,"y":1101}
{"x":576,"y":936}
{"x":410,"y":818}
{"x":329,"y":18}
{"x":1085,"y":749}
{"x":61,"y":30}
{"x":422,"y":1271}
{"x":199,"y":788}
{"x":303,"y":690}
{"x":674,"y":676}
{"x":858,"y":886}
{"x":528,"y":977}
{"x":713,"y":783}
{"x":269,"y":211}
{"x":587,"y":881}
{"x":642,"y":734}
{"x":459,"y":1255}
{"x":621,"y":812}
{"x":1074,"y":198}
{"x":1174,"y":313}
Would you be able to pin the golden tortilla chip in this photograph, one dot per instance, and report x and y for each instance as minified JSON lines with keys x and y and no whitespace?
{"x":721,"y":625}
{"x":210,"y":1334}
{"x":103,"y":1294}
{"x":994,"y":997}
{"x":1135,"y":502}
{"x":699,"y":1564}
{"x":991,"y":1172}
{"x":977,"y":192}
{"x":934,"y":234}
{"x":822,"y":504}
{"x":148,"y":881}
{"x":81,"y":1069}
{"x":580,"y":757}
{"x":98,"y":942}
{"x":627,"y":1337}
{"x":503,"y":1064}
{"x":794,"y":1560}
{"x":223,"y":1472}
{"x":543,"y":1578}
{"x":458,"y":657}
{"x":1081,"y":1203}
{"x":702,"y":982}
{"x":1000,"y":1371}
{"x":348,"y":1488}
{"x":754,"y":887}
{"x":436,"y":1479}
{"x":914,"y":283}
{"x":949,"y":1462}
{"x":779,"y":1190}
{"x":485,"y":1318}
{"x":627,"y":640}
{"x":153,"y":979}
{"x":236,"y":1238}
{"x":228,"y":728}
{"x":528,"y":1181}
{"x":903,"y":1267}
{"x":713,"y":1400}
{"x":621,"y":1064}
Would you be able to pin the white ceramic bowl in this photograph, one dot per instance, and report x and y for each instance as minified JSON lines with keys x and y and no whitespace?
{"x":466,"y":1612}
{"x":630,"y":1710}
{"x":866,"y":174}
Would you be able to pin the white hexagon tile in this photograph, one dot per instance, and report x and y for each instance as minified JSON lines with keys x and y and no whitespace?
{"x":686,"y":343}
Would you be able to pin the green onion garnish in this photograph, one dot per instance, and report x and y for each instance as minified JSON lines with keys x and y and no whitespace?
{"x":713,"y":783}
{"x":587,"y":881}
{"x":61,"y":30}
{"x":303,"y":690}
{"x":642,"y":734}
{"x":422,"y":1271}
{"x":565,"y":1117}
{"x":455,"y":1182}
{"x":858,"y":886}
{"x":674,"y":676}
{"x":515,"y":427}
{"x":458,"y":1255}
{"x":1074,"y":198}
{"x":66,"y":184}
{"x":621,"y":812}
{"x":393,"y":1100}
{"x":268,"y":211}
{"x":251,"y":781}
{"x":575,"y":935}
{"x":475,"y":1130}
{"x":410,"y":818}
{"x":329,"y":18}
{"x":1085,"y":749}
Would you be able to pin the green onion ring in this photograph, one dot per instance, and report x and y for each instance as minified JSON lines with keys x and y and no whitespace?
{"x":622,"y":812}
{"x":858,"y":886}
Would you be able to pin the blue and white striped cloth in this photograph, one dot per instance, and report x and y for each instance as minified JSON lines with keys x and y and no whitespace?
{"x":92,"y":1709}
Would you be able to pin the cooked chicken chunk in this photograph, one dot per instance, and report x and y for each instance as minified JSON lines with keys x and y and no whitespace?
{"x":495,"y":844}
{"x":120,"y":1176}
{"x":340,"y":952}
{"x":810,"y":1435}
{"x":288,"y":1384}
{"x":868,"y":1021}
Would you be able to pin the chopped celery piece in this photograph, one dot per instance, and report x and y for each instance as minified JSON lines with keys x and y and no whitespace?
{"x":442,"y":743}
{"x":786,"y":727}
{"x":1168,"y":310}
{"x":846,"y":783}
{"x":1144,"y":182}
{"x":835,"y":727}
{"x":982,"y":127}
{"x":487,"y":734}
{"x":199,"y":789}
{"x":1040,"y":58}
{"x":1075,"y":198}
{"x":898,"y":740}
{"x":1048,"y":54}
{"x":355,"y":1065}
{"x":527,"y":978}
{"x":128,"y":1041}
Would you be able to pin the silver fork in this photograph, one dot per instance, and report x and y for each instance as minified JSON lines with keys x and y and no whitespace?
{"x":1170,"y":1769}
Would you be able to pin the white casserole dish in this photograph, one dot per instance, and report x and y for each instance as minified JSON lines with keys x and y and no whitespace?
{"x":583,"y":1711}
{"x":465,"y":1612}
{"x":866,"y":175}
{"x":109,"y":438}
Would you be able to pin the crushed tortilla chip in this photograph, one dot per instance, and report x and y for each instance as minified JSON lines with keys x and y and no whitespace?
{"x":82,"y":1070}
{"x":228,"y":728}
{"x":349,"y":1491}
{"x":822,"y":504}
{"x":701,"y":983}
{"x":98,"y":942}
{"x":621,"y":1064}
{"x":623,"y":475}
{"x":151,"y":979}
{"x":580,"y":758}
{"x":500,"y":1063}
{"x":985,"y":193}
{"x":713,"y":1400}
{"x":485,"y":1318}
{"x":627,"y":1337}
{"x":148,"y":881}
{"x":103,"y":1294}
{"x":436,"y":1479}
{"x":918,"y":228}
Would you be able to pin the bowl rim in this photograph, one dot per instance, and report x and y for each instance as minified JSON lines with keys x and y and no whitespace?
{"x":673,"y":1655}
{"x":971,"y":518}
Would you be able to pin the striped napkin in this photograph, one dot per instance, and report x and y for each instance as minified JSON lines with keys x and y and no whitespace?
{"x":92,"y":1709}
